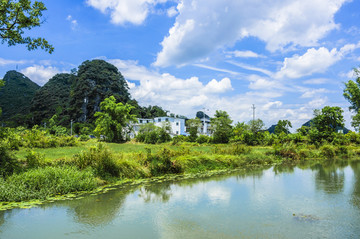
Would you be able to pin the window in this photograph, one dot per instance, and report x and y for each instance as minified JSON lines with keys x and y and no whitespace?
{"x":166,"y":119}
{"x":159,"y":120}
{"x":141,"y":121}
{"x":177,"y":123}
{"x":177,"y":132}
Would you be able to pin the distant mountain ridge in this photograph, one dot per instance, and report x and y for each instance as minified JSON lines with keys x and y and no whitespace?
{"x":16,"y":95}
{"x":76,"y":96}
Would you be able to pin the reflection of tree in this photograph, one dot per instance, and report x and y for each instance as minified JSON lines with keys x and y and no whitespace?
{"x":99,"y":209}
{"x":356,"y":190}
{"x":284,"y":168}
{"x":156,"y":192}
{"x":2,"y":217}
{"x":329,"y":178}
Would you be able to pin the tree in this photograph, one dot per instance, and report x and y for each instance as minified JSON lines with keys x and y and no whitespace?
{"x":221,"y":124}
{"x":256,"y":125}
{"x":17,"y":16}
{"x":193,"y":126}
{"x":113,"y":120}
{"x":327,"y":120}
{"x":283,"y":126}
{"x":352,"y":94}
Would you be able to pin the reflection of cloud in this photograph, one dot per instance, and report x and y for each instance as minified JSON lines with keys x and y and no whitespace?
{"x":218,"y":194}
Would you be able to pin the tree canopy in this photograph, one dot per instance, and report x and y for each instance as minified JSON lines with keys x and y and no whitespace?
{"x":17,"y":16}
{"x":221,"y":124}
{"x":352,"y":94}
{"x":327,"y":120}
{"x":113,"y":120}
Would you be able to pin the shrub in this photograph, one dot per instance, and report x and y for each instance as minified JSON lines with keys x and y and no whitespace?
{"x":100,"y":159}
{"x":8,"y":163}
{"x":33,"y":159}
{"x":327,"y":151}
{"x":43,"y":182}
{"x":161,"y":163}
{"x":203,"y":139}
{"x":287,"y":151}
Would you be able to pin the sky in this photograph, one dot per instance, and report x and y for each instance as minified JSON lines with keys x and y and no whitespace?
{"x":287,"y":57}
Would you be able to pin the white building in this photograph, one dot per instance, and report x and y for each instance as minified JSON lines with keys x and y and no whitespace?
{"x":177,"y":125}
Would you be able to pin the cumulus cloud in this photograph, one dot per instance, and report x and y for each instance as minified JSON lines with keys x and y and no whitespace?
{"x":313,"y":61}
{"x":182,"y":96}
{"x":40,"y":74}
{"x":125,"y":11}
{"x":203,"y":26}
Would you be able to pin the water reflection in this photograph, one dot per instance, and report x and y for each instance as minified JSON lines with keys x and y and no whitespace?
{"x":330,"y":178}
{"x":218,"y":206}
{"x":356,"y":188}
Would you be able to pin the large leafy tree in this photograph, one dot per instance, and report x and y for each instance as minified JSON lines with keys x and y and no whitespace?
{"x":193,"y":126}
{"x":256,"y":125}
{"x":221,"y":124}
{"x":113,"y":121}
{"x":352,"y":94}
{"x":283,"y":127}
{"x":17,"y":16}
{"x":327,"y":120}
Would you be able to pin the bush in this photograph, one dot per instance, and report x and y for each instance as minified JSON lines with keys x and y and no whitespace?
{"x":161,"y":163}
{"x":100,"y":159}
{"x":287,"y":151}
{"x":327,"y":151}
{"x":43,"y":182}
{"x":33,"y":159}
{"x":202,"y":139}
{"x":8,"y":163}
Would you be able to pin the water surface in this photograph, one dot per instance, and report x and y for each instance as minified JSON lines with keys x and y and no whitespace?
{"x":278,"y":202}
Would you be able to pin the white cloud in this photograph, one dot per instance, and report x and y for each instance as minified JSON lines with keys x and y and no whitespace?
{"x":171,"y":12}
{"x":125,"y":11}
{"x":245,"y":54}
{"x":310,"y":93}
{"x":74,"y":23}
{"x":4,"y":62}
{"x":316,"y":81}
{"x":216,"y":69}
{"x":313,"y":61}
{"x":40,"y":74}
{"x":181,"y":96}
{"x":203,"y":26}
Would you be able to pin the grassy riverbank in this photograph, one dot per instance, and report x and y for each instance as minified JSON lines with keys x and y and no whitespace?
{"x":43,"y":173}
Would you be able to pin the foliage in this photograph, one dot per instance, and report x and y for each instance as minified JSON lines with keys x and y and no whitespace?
{"x":193,"y":126}
{"x":151,"y":134}
{"x":352,"y":94}
{"x":15,"y":97}
{"x":53,"y":98}
{"x":17,"y":16}
{"x":162,"y":163}
{"x":34,"y":159}
{"x":113,"y":120}
{"x":95,"y":81}
{"x":8,"y":162}
{"x":221,"y":124}
{"x":41,"y":183}
{"x":202,"y":139}
{"x":256,"y":125}
{"x":100,"y":159}
{"x":283,"y":127}
{"x":326,"y":121}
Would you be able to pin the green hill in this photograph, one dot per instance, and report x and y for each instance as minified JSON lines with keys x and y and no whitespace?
{"x":53,"y":98}
{"x":16,"y":95}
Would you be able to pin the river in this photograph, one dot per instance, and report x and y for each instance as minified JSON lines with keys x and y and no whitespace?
{"x":277,"y":202}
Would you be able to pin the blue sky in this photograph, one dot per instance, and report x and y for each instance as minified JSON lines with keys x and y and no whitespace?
{"x":288,"y":57}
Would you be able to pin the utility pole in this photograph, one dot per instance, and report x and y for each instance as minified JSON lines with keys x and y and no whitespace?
{"x":253,"y":108}
{"x":71,"y":124}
